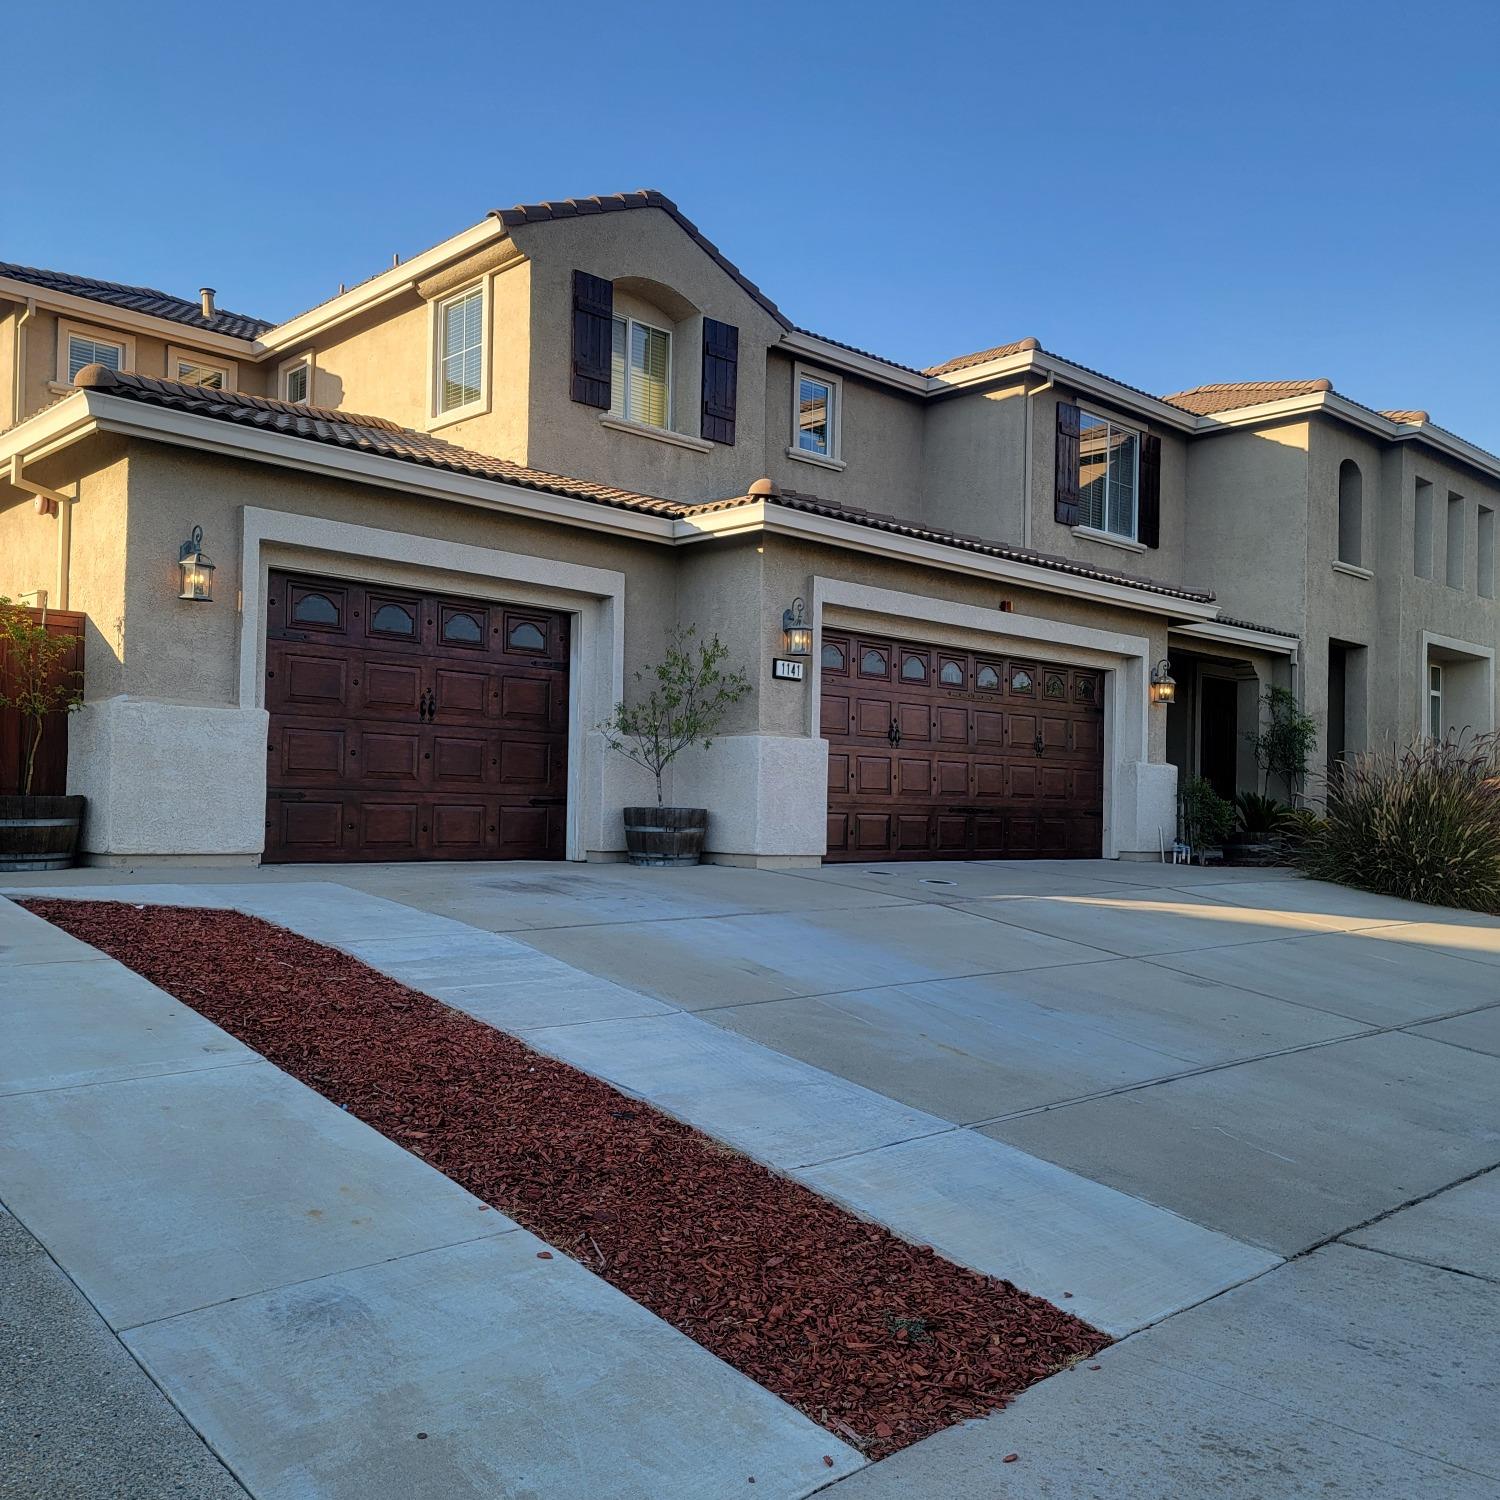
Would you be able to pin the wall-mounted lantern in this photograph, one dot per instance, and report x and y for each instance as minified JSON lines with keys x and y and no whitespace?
{"x":197,"y":570}
{"x":796,"y":633}
{"x":1163,"y":684}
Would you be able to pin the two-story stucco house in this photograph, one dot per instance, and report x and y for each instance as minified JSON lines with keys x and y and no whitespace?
{"x":454,"y":507}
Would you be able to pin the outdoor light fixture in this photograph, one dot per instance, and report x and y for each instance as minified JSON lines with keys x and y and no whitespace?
{"x":1163,"y":684}
{"x":197,"y":570}
{"x":796,"y":633}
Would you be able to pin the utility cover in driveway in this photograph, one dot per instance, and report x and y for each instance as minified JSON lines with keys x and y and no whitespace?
{"x":411,"y":726}
{"x":941,"y":754}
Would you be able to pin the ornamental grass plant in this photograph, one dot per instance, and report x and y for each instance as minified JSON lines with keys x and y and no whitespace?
{"x":1421,"y":822}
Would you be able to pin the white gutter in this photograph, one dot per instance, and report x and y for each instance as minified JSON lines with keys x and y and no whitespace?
{"x":18,"y":350}
{"x":850,"y":361}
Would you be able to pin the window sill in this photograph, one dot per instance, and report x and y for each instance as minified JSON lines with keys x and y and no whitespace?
{"x":1109,"y":539}
{"x":458,"y":414}
{"x":1352,"y":569}
{"x":658,"y":434}
{"x":836,"y":464}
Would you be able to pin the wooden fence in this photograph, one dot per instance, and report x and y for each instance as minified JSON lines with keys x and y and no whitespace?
{"x":52,"y":755}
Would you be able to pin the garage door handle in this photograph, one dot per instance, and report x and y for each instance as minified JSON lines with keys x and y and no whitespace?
{"x":1038,"y":744}
{"x":426,"y":707}
{"x":893,"y":734}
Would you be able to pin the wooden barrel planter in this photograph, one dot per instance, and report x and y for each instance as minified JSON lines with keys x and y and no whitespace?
{"x":39,"y":833}
{"x":665,"y":835}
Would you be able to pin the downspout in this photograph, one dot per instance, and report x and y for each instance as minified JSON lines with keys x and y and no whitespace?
{"x":1046,"y":385}
{"x":50,"y":502}
{"x":18,"y":374}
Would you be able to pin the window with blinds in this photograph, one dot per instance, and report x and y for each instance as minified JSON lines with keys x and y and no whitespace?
{"x":84,"y":350}
{"x":295,"y":382}
{"x":461,"y":351}
{"x":189,"y":372}
{"x":640,"y":375}
{"x":1108,"y":464}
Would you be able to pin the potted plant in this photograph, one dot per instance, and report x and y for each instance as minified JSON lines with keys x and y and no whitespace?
{"x":1283,"y":741}
{"x":36,"y":833}
{"x":681,"y":701}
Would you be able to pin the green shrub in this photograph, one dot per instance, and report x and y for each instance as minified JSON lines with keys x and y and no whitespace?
{"x":1207,"y":819}
{"x":1423,"y":823}
{"x":1259,"y":814}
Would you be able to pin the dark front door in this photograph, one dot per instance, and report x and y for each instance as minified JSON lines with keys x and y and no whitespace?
{"x":939,"y":754}
{"x":1218,"y":734}
{"x":412,"y":726}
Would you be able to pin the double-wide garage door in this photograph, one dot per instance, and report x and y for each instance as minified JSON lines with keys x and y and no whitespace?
{"x":407,"y":725}
{"x":942,"y":754}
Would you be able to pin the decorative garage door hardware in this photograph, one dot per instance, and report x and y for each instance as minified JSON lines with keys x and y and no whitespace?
{"x":947,"y":754}
{"x":407,"y":725}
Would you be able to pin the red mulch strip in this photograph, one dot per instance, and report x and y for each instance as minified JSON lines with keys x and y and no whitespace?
{"x":880,"y":1341}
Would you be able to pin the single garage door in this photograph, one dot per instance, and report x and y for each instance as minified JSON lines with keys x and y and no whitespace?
{"x":942,"y":754}
{"x":412,"y":726}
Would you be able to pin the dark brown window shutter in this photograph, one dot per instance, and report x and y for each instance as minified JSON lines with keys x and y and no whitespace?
{"x":1065,"y":502}
{"x":1148,"y":514}
{"x":593,"y":316}
{"x":721,"y":377}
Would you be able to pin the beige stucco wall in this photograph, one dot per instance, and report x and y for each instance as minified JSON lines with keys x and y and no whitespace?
{"x":883,"y":443}
{"x":664,"y":268}
{"x":97,"y":472}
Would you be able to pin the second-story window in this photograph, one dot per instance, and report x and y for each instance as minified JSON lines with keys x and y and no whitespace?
{"x":193,"y":369}
{"x":640,"y":375}
{"x":460,"y":349}
{"x":296,"y":381}
{"x":1108,"y":465}
{"x":85,"y":349}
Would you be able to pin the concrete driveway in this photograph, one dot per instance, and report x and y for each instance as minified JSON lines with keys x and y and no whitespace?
{"x":1304,"y":1077}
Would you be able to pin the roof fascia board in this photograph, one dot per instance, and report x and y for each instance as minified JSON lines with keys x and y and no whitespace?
{"x":1040,"y":362}
{"x":51,"y":429}
{"x":854,"y":537}
{"x":381,"y":288}
{"x":851,"y":362}
{"x":1332,"y":404}
{"x":90,"y":310}
{"x":209,"y":434}
{"x":1239,"y":635}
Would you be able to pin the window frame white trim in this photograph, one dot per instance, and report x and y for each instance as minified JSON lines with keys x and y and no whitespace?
{"x":632,"y":423}
{"x":286,"y":367}
{"x":177,"y":354}
{"x":1434,"y":698}
{"x":435,"y":417}
{"x":834,"y":458}
{"x":99,"y":334}
{"x":1103,"y":533}
{"x":656,"y":434}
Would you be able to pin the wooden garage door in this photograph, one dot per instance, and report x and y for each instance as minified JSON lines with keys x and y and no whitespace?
{"x":939,"y":754}
{"x":412,"y":726}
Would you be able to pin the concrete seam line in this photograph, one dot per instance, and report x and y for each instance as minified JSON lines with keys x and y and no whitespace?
{"x":1416,"y":1260}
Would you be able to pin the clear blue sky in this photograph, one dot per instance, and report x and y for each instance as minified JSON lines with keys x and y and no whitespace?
{"x":1169,"y":193}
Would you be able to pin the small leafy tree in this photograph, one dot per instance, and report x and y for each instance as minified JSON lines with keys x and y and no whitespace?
{"x":686,"y":697}
{"x":33,"y":679}
{"x":1284,"y":740}
{"x":1207,"y":818}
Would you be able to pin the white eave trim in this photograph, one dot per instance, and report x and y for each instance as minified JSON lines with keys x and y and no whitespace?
{"x":851,"y":362}
{"x":1222,"y":632}
{"x":853,"y":537}
{"x":101,"y":314}
{"x":381,"y":288}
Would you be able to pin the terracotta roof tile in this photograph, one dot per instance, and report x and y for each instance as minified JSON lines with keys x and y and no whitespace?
{"x":1204,"y":400}
{"x":814,"y":505}
{"x":386,"y":439}
{"x":1411,"y":416}
{"x":141,"y":299}
{"x":343,"y":429}
{"x":573,"y":208}
{"x":982,"y":357}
